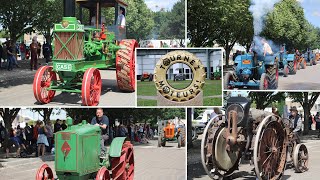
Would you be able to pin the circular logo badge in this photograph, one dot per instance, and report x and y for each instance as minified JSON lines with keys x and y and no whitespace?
{"x":179,"y":95}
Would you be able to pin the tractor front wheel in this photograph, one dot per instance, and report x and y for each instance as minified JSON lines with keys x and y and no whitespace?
{"x":44,"y":172}
{"x":263,"y":82}
{"x":123,"y":166}
{"x":227,"y":79}
{"x":125,"y":65}
{"x":292,"y":67}
{"x":303,"y":64}
{"x":42,"y":80}
{"x":103,"y":174}
{"x":91,"y":87}
{"x":285,"y":71}
{"x":179,"y":141}
{"x":314,"y":62}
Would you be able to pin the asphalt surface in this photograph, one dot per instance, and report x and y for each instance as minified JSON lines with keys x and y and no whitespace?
{"x":151,"y":163}
{"x":16,"y":90}
{"x":304,"y":79}
{"x":246,"y":172}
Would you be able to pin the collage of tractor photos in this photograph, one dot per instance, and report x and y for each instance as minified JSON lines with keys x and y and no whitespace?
{"x":171,"y":89}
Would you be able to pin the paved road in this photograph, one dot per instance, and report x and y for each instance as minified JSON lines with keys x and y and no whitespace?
{"x":245,"y":172}
{"x":151,"y":163}
{"x":16,"y":90}
{"x":304,"y":79}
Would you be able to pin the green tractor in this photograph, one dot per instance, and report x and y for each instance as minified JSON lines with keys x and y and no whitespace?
{"x":217,"y":74}
{"x":80,"y":51}
{"x":77,"y":156}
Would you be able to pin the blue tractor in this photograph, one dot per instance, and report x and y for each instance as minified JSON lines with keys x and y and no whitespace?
{"x":310,"y":57}
{"x":287,"y":62}
{"x":253,"y":70}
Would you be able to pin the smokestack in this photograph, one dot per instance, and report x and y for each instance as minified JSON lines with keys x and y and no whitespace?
{"x":69,"y":9}
{"x":259,"y":9}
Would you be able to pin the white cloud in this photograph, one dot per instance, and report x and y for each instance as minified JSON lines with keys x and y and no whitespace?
{"x":316,"y":13}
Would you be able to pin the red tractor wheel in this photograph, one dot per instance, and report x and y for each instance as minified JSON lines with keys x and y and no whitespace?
{"x":44,"y":172}
{"x":125,"y":65}
{"x":42,"y":80}
{"x":123,"y":166}
{"x":91,"y":87}
{"x":103,"y":174}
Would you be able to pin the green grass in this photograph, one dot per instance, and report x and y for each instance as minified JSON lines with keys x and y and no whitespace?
{"x":211,"y":87}
{"x":212,"y":102}
{"x":146,"y":102}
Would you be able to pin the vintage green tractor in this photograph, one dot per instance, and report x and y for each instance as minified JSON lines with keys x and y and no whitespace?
{"x":79,"y":51}
{"x":217,"y":73}
{"x":77,"y":156}
{"x":168,"y":131}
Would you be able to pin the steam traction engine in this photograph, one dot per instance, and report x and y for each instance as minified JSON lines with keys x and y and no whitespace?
{"x":77,"y":156}
{"x":80,"y":51}
{"x":255,"y":135}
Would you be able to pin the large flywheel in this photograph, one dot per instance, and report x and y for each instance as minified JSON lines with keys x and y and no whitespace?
{"x":217,"y":162}
{"x":270,"y":149}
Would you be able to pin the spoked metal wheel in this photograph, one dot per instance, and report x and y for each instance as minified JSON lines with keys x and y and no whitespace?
{"x":123,"y":166}
{"x":125,"y":65}
{"x":270,"y":149}
{"x":300,"y":158}
{"x":42,"y":80}
{"x":44,"y":173}
{"x":103,"y":174}
{"x":91,"y":87}
{"x":216,"y":161}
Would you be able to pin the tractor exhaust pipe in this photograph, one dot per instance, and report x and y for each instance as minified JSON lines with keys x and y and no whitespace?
{"x":232,"y":139}
{"x":69,"y":8}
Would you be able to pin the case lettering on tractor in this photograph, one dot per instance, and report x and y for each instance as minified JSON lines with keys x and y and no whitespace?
{"x":171,"y":93}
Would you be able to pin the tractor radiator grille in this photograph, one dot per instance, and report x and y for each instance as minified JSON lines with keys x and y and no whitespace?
{"x":68,"y":45}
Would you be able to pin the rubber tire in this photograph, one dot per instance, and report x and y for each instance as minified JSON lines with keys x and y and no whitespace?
{"x":285,"y":71}
{"x":262,"y":79}
{"x":226,"y":80}
{"x":272,"y":78}
{"x":314,"y":62}
{"x":292,"y":67}
{"x":179,"y":141}
{"x":303,"y":64}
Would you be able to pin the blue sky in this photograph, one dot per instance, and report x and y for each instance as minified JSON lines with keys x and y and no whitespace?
{"x":311,"y":11}
{"x":156,"y":5}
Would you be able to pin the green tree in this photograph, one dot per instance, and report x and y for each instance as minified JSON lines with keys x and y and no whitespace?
{"x":160,"y":20}
{"x":219,"y":22}
{"x":174,"y":28}
{"x":139,"y":20}
{"x":8,"y":115}
{"x":287,"y":24}
{"x":45,"y":113}
{"x":18,"y":17}
{"x":51,"y":12}
{"x":307,"y":101}
{"x":265,"y":99}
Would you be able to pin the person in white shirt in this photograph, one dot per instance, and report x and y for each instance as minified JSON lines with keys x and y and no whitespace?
{"x":266,"y":48}
{"x":121,"y":23}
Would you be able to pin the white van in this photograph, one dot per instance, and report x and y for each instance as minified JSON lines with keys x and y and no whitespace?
{"x":200,"y":122}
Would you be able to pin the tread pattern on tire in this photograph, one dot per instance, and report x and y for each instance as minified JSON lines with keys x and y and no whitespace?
{"x":271,"y":76}
{"x":291,"y":67}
